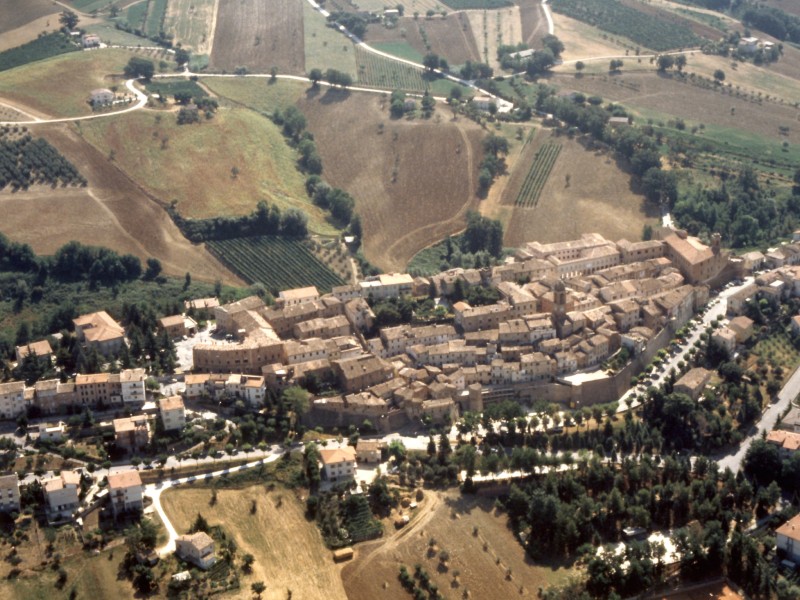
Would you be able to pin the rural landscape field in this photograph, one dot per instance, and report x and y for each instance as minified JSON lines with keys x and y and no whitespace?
{"x":314,"y":219}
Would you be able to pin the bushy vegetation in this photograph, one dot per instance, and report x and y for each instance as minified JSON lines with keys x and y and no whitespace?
{"x":276,"y":262}
{"x":25,"y":161}
{"x":45,"y":46}
{"x":740,"y":209}
{"x":774,"y":21}
{"x":264,"y":220}
{"x":617,"y":18}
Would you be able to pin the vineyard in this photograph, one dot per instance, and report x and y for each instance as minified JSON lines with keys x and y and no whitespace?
{"x":25,"y":162}
{"x":617,"y":18}
{"x":533,"y":185}
{"x":277,"y":262}
{"x":42,"y":47}
{"x":376,"y":71}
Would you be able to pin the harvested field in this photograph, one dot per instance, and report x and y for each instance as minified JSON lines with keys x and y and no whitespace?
{"x":76,"y":73}
{"x":192,"y":23}
{"x":413,"y":181}
{"x":28,"y":32}
{"x":482,"y":559}
{"x":669,"y":95}
{"x":597,"y":197}
{"x":288,"y":549}
{"x":259,"y":35}
{"x":534,"y":23}
{"x":112,"y":212}
{"x":14,"y":15}
{"x":492,"y":28}
{"x":256,"y":94}
{"x":789,"y":6}
{"x":451,"y":38}
{"x":583,"y":41}
{"x":170,"y":159}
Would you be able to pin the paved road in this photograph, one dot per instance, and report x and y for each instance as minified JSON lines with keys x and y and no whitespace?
{"x":767,"y":422}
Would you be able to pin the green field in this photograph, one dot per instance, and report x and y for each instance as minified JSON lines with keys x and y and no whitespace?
{"x":324,"y":46}
{"x":278,"y":263}
{"x":256,"y":93}
{"x":190,"y":22}
{"x":136,"y":14}
{"x":400,"y":49}
{"x":46,"y":46}
{"x":156,"y":10}
{"x":429,"y":261}
{"x":111,"y":35}
{"x":476,"y":4}
{"x":614,"y":17}
{"x":533,"y":185}
{"x":376,"y":71}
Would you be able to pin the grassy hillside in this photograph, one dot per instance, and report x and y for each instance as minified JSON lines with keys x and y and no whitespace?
{"x":192,"y":164}
{"x":60,"y":86}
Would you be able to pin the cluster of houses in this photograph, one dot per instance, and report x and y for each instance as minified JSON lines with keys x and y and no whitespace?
{"x":564,"y":309}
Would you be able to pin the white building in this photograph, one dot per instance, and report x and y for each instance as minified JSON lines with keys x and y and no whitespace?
{"x":787,"y":538}
{"x":52,"y":433}
{"x":339,"y":464}
{"x":197,"y":548}
{"x":61,"y":494}
{"x":125,"y":492}
{"x":173,"y":413}
{"x":9,"y":493}
{"x":12,"y":399}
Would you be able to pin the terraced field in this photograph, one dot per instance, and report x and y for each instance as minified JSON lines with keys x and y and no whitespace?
{"x":278,"y":263}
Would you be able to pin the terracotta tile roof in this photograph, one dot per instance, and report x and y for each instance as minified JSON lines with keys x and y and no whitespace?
{"x":338,"y":455}
{"x":124,"y":479}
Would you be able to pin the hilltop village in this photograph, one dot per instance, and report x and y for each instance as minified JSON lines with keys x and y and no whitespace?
{"x":564,"y":311}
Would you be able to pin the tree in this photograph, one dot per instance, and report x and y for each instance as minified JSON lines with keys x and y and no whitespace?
{"x":68,"y":20}
{"x":719,"y":75}
{"x":315,"y":75}
{"x":139,"y":68}
{"x":615,"y":65}
{"x":258,"y":588}
{"x":762,"y":462}
{"x":579,"y":66}
{"x":153,"y":269}
{"x":247,"y":562}
{"x":182,"y":56}
{"x":680,"y":61}
{"x":553,"y":44}
{"x":665,"y":61}
{"x":297,"y":398}
{"x":431,"y":61}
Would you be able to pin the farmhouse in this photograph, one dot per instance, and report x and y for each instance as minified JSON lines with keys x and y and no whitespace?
{"x":482,"y":102}
{"x":61,"y":494}
{"x":201,"y":303}
{"x":98,"y":330}
{"x":196,"y":548}
{"x":693,"y":382}
{"x":178,"y":326}
{"x":41,"y":349}
{"x":125,"y":492}
{"x":369,"y":451}
{"x":91,"y":40}
{"x":339,"y":464}
{"x":101,"y":97}
{"x":132,"y":433}
{"x":9,"y":493}
{"x":787,"y":538}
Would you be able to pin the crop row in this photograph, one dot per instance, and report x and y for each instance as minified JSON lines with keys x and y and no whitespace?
{"x":645,"y":29}
{"x":156,"y":11}
{"x":533,"y":185}
{"x":380,"y":72}
{"x":278,"y":263}
{"x":26,"y":161}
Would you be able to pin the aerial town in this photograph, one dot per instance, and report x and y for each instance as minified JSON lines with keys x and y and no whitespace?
{"x":455,"y":299}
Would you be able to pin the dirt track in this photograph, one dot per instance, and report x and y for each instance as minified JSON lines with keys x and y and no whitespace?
{"x":112,"y":212}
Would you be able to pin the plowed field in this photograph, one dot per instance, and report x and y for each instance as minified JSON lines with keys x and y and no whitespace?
{"x":413,"y":181}
{"x":259,"y":35}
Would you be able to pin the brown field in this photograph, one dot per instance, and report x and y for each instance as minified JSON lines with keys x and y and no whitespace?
{"x":113,"y":211}
{"x":450,"y":518}
{"x":598,"y":198}
{"x":17,"y":14}
{"x":650,"y":91}
{"x":492,"y":28}
{"x":583,"y":41}
{"x":433,"y":164}
{"x":289,"y":551}
{"x":534,"y":23}
{"x":28,"y":32}
{"x":451,"y":38}
{"x":259,"y":35}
